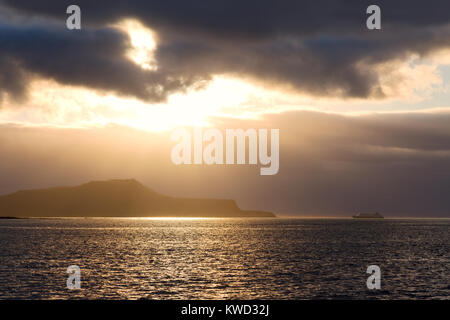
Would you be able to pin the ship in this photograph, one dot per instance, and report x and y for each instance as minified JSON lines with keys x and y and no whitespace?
{"x":375,"y":215}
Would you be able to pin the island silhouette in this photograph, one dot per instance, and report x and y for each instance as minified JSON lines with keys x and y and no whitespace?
{"x":115,"y":198}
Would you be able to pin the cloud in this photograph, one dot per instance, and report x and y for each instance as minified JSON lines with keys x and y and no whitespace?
{"x":93,"y":58}
{"x":398,"y":164}
{"x":315,"y":47}
{"x":253,"y":18}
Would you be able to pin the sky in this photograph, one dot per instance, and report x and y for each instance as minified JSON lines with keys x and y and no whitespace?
{"x":364,"y":115}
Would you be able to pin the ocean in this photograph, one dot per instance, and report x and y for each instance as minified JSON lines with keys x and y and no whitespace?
{"x":224,"y":258}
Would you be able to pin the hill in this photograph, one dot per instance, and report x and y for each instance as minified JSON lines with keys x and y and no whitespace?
{"x":115,"y":198}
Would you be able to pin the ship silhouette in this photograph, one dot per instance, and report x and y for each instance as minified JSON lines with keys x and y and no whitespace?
{"x":375,"y":215}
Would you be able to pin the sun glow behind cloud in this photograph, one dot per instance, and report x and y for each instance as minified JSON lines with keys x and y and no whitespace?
{"x":51,"y":104}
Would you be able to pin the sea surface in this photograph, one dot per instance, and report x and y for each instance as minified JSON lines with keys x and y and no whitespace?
{"x":224,"y":258}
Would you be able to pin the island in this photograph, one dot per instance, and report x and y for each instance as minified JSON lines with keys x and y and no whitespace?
{"x":115,"y":198}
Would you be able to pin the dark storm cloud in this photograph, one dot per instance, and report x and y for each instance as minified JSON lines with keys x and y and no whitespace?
{"x":93,"y":58}
{"x":319,"y":47}
{"x":398,"y":164}
{"x":261,"y":18}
